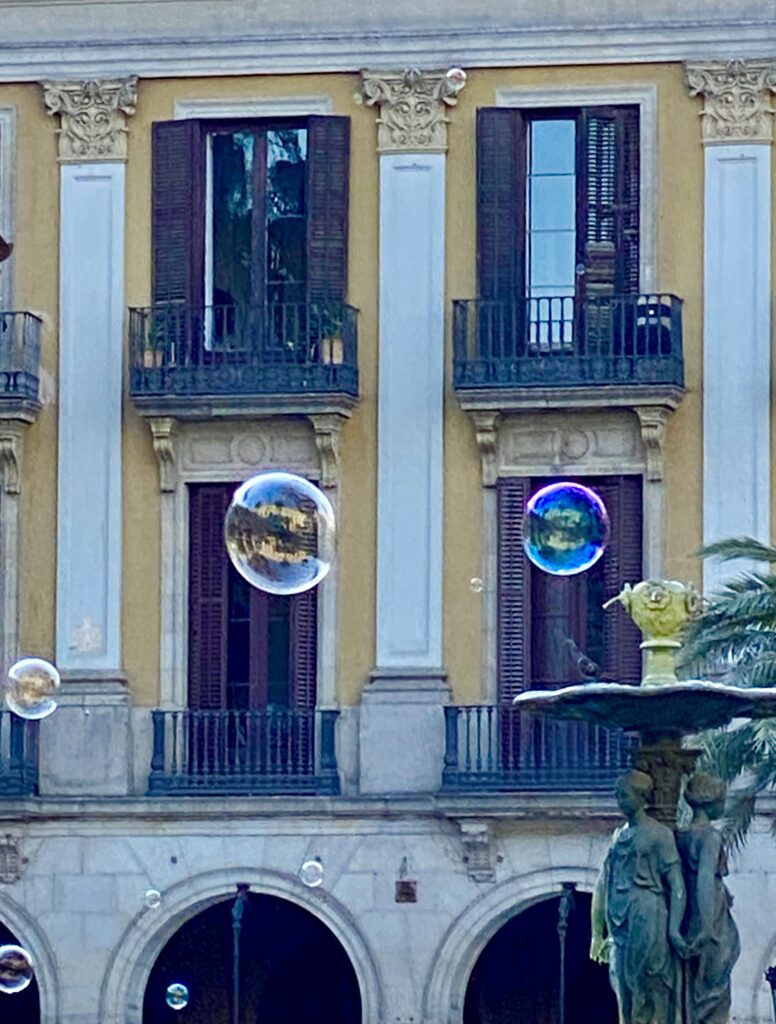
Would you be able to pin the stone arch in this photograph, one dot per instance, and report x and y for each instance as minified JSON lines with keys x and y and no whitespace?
{"x":121,"y":998}
{"x":469,"y":934}
{"x":29,"y":934}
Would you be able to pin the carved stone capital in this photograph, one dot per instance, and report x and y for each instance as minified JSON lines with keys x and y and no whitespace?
{"x":413,"y":107}
{"x":328,"y":427}
{"x":652,"y":420}
{"x":478,"y":853}
{"x":11,"y":456}
{"x":736,"y":99}
{"x":11,"y":860}
{"x":93,"y":117}
{"x":486,"y":423}
{"x":163,"y":430}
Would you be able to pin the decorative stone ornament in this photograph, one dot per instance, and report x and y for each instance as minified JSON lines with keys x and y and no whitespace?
{"x":736,"y":99}
{"x":478,"y":853}
{"x":93,"y":117}
{"x":412,"y":107}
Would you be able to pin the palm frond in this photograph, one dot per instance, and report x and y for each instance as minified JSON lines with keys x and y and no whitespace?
{"x":739,"y":815}
{"x":739,"y":547}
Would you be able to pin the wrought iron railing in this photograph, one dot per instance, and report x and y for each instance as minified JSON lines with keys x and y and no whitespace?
{"x":275,"y":349}
{"x":559,"y":342}
{"x":274,"y":750}
{"x":489,"y":747}
{"x":19,"y":355}
{"x":18,"y":756}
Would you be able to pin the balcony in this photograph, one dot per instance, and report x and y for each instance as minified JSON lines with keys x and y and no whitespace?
{"x":18,"y":756}
{"x":19,"y":365}
{"x":250,"y":753}
{"x":544,"y":352}
{"x":215,"y":360}
{"x":500,"y":748}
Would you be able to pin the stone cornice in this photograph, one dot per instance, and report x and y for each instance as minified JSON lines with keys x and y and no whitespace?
{"x":412,"y":107}
{"x":736,"y":99}
{"x":93,"y":117}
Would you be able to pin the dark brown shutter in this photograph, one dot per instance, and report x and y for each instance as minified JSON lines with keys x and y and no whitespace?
{"x":623,"y":563}
{"x":178,"y":212}
{"x":304,"y":635}
{"x":208,"y":595}
{"x":608,"y":200}
{"x":513,"y":590}
{"x":501,"y":203}
{"x":328,"y":163}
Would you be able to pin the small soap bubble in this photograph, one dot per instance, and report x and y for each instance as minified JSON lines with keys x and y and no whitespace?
{"x":152,"y":898}
{"x":16,"y":971}
{"x":279,"y":533}
{"x":311,"y":873}
{"x":177,"y":996}
{"x":566,"y":528}
{"x":456,"y":77}
{"x":31,"y":688}
{"x":476,"y":585}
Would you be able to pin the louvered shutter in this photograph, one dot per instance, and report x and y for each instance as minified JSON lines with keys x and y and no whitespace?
{"x":623,"y":563}
{"x":208,"y":596}
{"x":608,"y":200}
{"x":501,"y":203}
{"x":513,"y":590}
{"x":178,"y":212}
{"x":304,"y":648}
{"x":328,"y":164}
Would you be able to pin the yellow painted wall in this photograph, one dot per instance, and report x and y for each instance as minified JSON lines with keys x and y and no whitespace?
{"x":680,"y":187}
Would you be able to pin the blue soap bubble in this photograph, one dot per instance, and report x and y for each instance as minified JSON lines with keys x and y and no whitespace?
{"x":16,"y":971}
{"x":566,"y":528}
{"x":177,"y":996}
{"x":279,"y":533}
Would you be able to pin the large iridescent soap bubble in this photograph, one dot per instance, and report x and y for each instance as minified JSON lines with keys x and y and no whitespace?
{"x":16,"y":970}
{"x":566,"y":528}
{"x":279,"y":533}
{"x":177,"y":996}
{"x":31,"y":688}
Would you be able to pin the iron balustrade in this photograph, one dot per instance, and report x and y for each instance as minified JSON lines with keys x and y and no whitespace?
{"x":19,"y":355}
{"x":491,"y":747}
{"x":18,"y":756}
{"x":559,"y":342}
{"x":279,"y":349}
{"x":272,"y":750}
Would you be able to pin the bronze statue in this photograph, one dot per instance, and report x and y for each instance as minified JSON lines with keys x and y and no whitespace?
{"x":638,"y":907}
{"x":710,"y":932}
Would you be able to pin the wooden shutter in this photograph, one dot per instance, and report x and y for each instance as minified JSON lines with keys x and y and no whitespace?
{"x":178,"y":212}
{"x":501,"y":203}
{"x":608,"y":200}
{"x":304,"y":649}
{"x":208,"y":596}
{"x":328,"y":163}
{"x":513,"y":590}
{"x":623,"y":563}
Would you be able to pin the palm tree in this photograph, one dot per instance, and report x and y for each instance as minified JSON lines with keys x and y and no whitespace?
{"x":733,"y":639}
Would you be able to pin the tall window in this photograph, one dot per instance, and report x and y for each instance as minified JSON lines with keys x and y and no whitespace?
{"x":558,"y":215}
{"x":553,"y":630}
{"x":247,"y":649}
{"x":249,"y":231}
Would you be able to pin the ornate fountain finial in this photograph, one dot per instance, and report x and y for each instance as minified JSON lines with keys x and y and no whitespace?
{"x":661,"y":609}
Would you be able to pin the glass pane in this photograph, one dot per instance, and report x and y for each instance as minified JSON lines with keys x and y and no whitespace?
{"x":286,"y":158}
{"x":233,"y":199}
{"x":553,"y":259}
{"x":278,"y":652}
{"x":552,"y":146}
{"x":552,"y":203}
{"x":286,"y":265}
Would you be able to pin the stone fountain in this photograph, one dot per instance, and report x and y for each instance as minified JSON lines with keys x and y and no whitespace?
{"x":661,"y":911}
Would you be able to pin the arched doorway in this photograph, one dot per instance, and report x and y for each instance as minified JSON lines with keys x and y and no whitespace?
{"x":293,"y":969}
{"x":517,"y":975}
{"x":21,"y":1007}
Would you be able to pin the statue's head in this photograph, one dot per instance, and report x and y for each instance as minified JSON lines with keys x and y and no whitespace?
{"x":706,"y":792}
{"x":633,"y":791}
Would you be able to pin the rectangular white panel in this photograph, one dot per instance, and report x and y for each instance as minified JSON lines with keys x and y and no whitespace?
{"x":736,"y":347}
{"x":90,"y":393}
{"x":410,"y":395}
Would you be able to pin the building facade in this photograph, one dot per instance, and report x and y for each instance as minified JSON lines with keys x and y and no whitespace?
{"x":429,"y":260}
